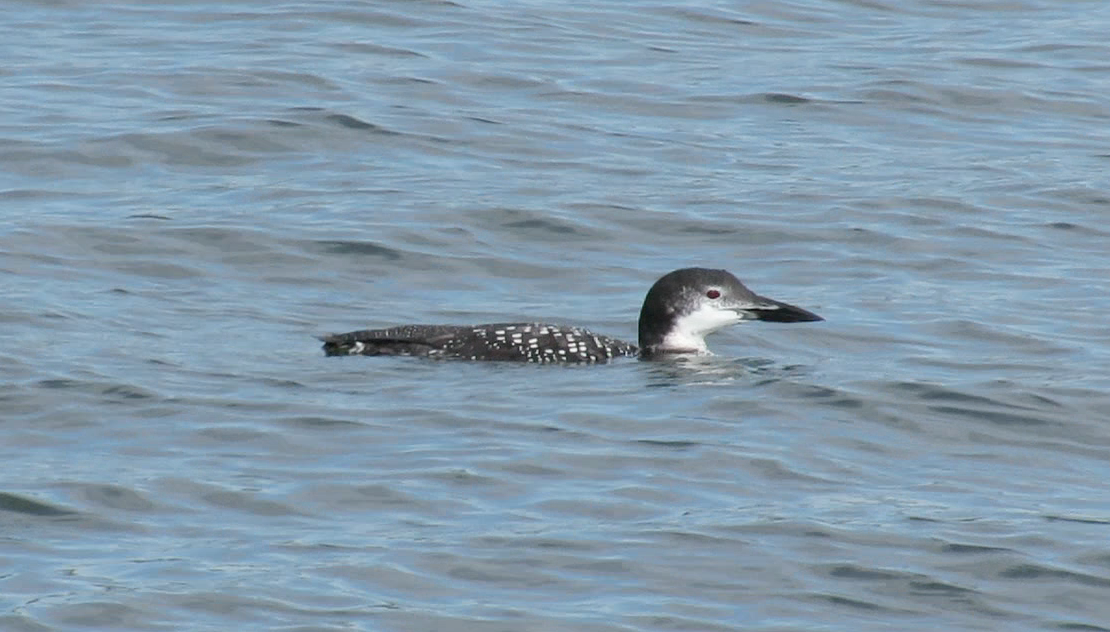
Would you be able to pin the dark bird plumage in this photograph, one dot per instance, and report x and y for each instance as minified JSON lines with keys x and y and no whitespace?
{"x":680,"y":309}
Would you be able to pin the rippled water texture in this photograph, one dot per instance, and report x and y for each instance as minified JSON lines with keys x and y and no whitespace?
{"x":190,"y":192}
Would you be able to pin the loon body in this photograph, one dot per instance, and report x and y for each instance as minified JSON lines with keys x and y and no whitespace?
{"x":680,"y":310}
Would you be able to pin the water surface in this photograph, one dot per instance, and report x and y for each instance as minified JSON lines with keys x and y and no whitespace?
{"x":190,"y":192}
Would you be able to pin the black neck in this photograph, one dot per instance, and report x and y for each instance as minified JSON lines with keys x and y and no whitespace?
{"x":656,"y":322}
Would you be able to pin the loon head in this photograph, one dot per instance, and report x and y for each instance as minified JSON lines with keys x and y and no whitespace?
{"x":686,"y":305}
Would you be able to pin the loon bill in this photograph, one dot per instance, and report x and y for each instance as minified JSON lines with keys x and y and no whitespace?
{"x":680,"y":310}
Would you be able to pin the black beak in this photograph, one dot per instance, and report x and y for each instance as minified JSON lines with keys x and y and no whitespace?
{"x":777,"y":312}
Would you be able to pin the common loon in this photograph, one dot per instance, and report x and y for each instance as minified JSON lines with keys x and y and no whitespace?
{"x":680,"y":310}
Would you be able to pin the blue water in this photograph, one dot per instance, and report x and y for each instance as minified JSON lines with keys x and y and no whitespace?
{"x":190,"y":192}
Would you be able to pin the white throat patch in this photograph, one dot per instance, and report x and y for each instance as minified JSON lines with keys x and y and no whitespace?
{"x":691,"y":329}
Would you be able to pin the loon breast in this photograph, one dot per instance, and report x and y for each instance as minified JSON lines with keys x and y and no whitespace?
{"x":528,"y":342}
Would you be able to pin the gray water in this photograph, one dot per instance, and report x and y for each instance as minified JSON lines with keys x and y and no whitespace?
{"x":189,"y":192}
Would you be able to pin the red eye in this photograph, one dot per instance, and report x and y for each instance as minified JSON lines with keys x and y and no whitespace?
{"x":713,"y":294}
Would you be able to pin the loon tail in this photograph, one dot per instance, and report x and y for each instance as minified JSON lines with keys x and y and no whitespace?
{"x":415,"y":340}
{"x":334,"y":345}
{"x":346,"y":344}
